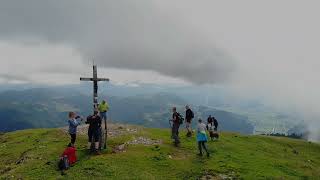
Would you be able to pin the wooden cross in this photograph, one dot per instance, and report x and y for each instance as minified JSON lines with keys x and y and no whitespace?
{"x":95,"y":81}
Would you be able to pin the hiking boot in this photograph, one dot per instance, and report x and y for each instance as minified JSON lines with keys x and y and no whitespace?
{"x":97,"y":152}
{"x":189,"y":134}
{"x":200,"y":154}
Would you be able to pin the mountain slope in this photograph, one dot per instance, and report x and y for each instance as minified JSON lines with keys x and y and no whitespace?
{"x":33,"y":154}
{"x":47,"y":108}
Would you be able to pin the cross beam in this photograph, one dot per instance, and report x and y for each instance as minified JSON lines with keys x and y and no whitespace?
{"x":95,"y":81}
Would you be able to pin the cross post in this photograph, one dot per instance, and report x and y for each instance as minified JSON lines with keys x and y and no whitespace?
{"x":95,"y":81}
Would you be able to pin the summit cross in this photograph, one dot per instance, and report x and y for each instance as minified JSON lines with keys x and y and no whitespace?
{"x":95,"y":81}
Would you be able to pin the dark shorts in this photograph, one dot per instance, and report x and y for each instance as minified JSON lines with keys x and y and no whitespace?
{"x":103,"y":115}
{"x":95,"y":134}
{"x":188,"y":120}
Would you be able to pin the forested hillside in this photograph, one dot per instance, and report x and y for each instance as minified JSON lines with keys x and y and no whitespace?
{"x":43,"y":107}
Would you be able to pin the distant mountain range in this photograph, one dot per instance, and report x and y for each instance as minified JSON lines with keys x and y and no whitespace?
{"x":48,"y":107}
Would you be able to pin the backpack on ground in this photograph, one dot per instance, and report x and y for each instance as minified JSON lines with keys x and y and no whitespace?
{"x":63,"y":163}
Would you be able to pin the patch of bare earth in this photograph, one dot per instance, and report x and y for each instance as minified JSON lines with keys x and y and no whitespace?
{"x":217,"y":176}
{"x":139,"y":140}
{"x":114,"y":130}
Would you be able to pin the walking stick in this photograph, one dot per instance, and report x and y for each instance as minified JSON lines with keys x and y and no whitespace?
{"x":105,"y":133}
{"x":170,"y":122}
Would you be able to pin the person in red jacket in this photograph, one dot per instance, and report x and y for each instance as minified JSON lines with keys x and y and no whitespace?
{"x":70,"y":153}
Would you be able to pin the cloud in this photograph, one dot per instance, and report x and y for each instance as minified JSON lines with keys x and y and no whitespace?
{"x":53,"y":64}
{"x":44,"y":63}
{"x":120,"y":34}
{"x":12,"y":78}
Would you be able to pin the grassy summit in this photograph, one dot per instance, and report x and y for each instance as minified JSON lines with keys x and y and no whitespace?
{"x":33,"y":154}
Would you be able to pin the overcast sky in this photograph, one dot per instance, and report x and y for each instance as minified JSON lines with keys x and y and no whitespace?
{"x":259,"y":48}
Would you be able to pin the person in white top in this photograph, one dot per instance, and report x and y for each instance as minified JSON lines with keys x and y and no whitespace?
{"x":202,"y":137}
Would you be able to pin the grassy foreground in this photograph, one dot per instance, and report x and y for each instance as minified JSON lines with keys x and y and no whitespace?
{"x":33,"y":154}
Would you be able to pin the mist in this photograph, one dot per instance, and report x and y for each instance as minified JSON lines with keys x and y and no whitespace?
{"x":267,"y":49}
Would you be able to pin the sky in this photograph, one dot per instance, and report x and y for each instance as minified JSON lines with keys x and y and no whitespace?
{"x":263,"y":48}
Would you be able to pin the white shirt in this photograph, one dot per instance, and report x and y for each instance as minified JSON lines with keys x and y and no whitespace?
{"x":201,"y":127}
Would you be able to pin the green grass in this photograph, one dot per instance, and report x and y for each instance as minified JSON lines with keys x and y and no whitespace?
{"x":33,"y":154}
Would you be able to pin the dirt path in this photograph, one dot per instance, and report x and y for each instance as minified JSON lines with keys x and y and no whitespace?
{"x":114,"y":130}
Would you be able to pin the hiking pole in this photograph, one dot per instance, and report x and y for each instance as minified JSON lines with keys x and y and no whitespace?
{"x":105,"y":133}
{"x":171,"y":126}
{"x":170,"y":120}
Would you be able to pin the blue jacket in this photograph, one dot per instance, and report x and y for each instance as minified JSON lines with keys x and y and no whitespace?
{"x":202,"y":137}
{"x":73,"y":123}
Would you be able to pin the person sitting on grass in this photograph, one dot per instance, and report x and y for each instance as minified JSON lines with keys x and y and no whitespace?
{"x":68,"y":158}
{"x":202,"y":138}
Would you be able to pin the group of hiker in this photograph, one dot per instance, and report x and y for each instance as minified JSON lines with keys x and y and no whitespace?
{"x":69,"y":157}
{"x":201,"y":136}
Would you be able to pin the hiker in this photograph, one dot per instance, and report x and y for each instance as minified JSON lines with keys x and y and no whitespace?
{"x":202,"y":138}
{"x":212,"y":132}
{"x":68,"y":158}
{"x":70,"y":153}
{"x":177,"y":119}
{"x":215,"y":123}
{"x":189,"y":117}
{"x":73,"y":124}
{"x":103,"y":108}
{"x":212,"y":127}
{"x":209,"y":122}
{"x":94,"y":122}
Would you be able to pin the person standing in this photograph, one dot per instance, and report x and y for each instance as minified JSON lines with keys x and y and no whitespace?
{"x":176,"y":121}
{"x":202,"y":138}
{"x":215,"y":123}
{"x":94,"y":129}
{"x":189,"y":117}
{"x":103,"y":109}
{"x":73,"y":124}
{"x":209,"y":122}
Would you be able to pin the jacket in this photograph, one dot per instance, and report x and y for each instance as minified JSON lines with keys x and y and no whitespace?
{"x":94,"y":122}
{"x":189,"y":114}
{"x":103,"y":107}
{"x":73,"y":123}
{"x":201,"y":133}
{"x":70,"y":152}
